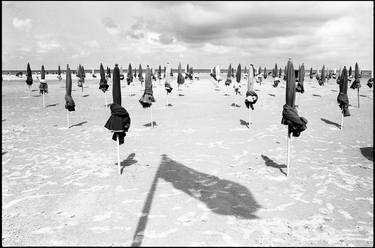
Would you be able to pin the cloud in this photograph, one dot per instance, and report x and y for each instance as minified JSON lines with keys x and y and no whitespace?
{"x":22,"y":24}
{"x":44,"y":47}
{"x":91,"y":43}
{"x":111,"y":27}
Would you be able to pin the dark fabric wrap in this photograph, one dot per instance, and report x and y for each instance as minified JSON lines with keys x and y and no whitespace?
{"x":300,"y":87}
{"x":119,"y":120}
{"x":276,"y":83}
{"x":249,"y":103}
{"x":103,"y":85}
{"x":356,"y":84}
{"x":43,"y":88}
{"x":370,"y":82}
{"x":343,"y":101}
{"x":69,"y":103}
{"x":168,"y":87}
{"x":295,"y":123}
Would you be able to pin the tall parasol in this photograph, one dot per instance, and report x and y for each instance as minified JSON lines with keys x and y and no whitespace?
{"x":265,"y":73}
{"x":69,"y":102}
{"x":59,"y":73}
{"x":119,"y":121}
{"x":147,"y":99}
{"x":191,"y":73}
{"x":129,"y":76}
{"x":342,"y":98}
{"x":43,"y":86}
{"x":29,"y":77}
{"x":251,"y":96}
{"x":228,"y":81}
{"x":301,"y":78}
{"x":108,"y":72}
{"x":168,"y":81}
{"x":311,"y":73}
{"x":274,"y":74}
{"x":357,"y":83}
{"x":350,"y":71}
{"x":140,"y":74}
{"x":103,"y":83}
{"x":180,"y":78}
{"x":159,"y":73}
{"x":296,"y":124}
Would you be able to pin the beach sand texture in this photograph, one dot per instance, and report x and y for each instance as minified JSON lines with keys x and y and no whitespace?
{"x":200,"y":177}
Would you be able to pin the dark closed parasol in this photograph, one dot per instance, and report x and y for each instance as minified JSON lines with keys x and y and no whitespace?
{"x":167,"y":83}
{"x":228,"y":81}
{"x":238,"y":73}
{"x":180,"y":78}
{"x":251,"y":96}
{"x":296,"y":124}
{"x":29,"y":77}
{"x":265,"y":73}
{"x":342,"y":98}
{"x":119,"y":120}
{"x":301,"y":77}
{"x":69,"y":102}
{"x":356,"y":84}
{"x":147,"y":99}
{"x":43,"y":86}
{"x":129,"y":76}
{"x":103,"y":81}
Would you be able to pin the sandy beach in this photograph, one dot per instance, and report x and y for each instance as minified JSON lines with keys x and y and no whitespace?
{"x":200,"y":177}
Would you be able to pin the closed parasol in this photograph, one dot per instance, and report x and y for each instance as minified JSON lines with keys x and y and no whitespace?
{"x":180,"y":78}
{"x":119,"y":121}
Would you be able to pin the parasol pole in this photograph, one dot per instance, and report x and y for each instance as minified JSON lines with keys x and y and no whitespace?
{"x":288,"y":151}
{"x":358,"y":96}
{"x":29,"y":90}
{"x":67,"y":119}
{"x":249,"y":116}
{"x":167,"y":99}
{"x":118,"y":155}
{"x":105,"y":99}
{"x":342,"y":120}
{"x":152,"y":123}
{"x":43,"y":99}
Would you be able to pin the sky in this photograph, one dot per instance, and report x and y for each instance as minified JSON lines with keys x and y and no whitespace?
{"x":201,"y":34}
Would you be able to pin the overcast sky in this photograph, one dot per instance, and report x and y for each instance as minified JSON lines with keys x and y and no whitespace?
{"x":201,"y":34}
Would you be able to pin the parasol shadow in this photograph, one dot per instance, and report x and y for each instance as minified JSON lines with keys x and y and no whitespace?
{"x":52,"y":105}
{"x":79,"y":124}
{"x":368,"y":152}
{"x":128,"y":162}
{"x":244,"y":123}
{"x":331,"y":122}
{"x":269,"y":162}
{"x":149,"y":124}
{"x":220,"y":196}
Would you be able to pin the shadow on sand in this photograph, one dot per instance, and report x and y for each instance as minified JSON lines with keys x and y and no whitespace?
{"x":52,"y":105}
{"x":330,"y":122}
{"x":368,"y":152}
{"x":271,"y":163}
{"x":85,"y":95}
{"x":316,"y":95}
{"x":244,"y":123}
{"x":127,"y":162}
{"x":79,"y":124}
{"x":169,"y":105}
{"x":149,"y":124}
{"x":235,"y":105}
{"x":220,"y":196}
{"x":271,"y":94}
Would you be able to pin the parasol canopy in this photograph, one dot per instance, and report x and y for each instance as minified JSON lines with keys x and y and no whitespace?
{"x":229,"y":74}
{"x":296,"y":124}
{"x":274,"y":74}
{"x":43,"y":86}
{"x":58,"y":71}
{"x":311,"y":73}
{"x":342,"y":98}
{"x":69,"y":102}
{"x":350,"y":71}
{"x":238,"y":73}
{"x":265,"y":73}
{"x":167,"y":83}
{"x":29,"y":77}
{"x":356,"y":84}
{"x":251,"y":96}
{"x":103,"y":81}
{"x":180,"y":78}
{"x":159,"y":72}
{"x":116,"y":87}
{"x":108,"y":72}
{"x":140,"y":73}
{"x":119,"y":120}
{"x":129,"y":77}
{"x":301,"y":77}
{"x":147,"y":98}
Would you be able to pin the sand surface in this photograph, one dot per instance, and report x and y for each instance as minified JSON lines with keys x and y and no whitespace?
{"x":200,"y":177}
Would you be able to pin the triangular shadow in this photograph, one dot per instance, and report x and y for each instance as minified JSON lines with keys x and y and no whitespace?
{"x":316,"y":95}
{"x":52,"y":105}
{"x":271,"y":94}
{"x":368,"y":152}
{"x":85,"y":95}
{"x":271,"y":163}
{"x":221,"y":196}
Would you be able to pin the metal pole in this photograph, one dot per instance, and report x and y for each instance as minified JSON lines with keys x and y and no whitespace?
{"x":118,"y":154}
{"x":288,"y":151}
